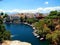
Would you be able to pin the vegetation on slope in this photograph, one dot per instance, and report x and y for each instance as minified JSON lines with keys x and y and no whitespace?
{"x":49,"y":28}
{"x":4,"y":34}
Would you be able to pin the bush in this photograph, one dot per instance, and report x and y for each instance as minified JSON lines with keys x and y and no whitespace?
{"x":4,"y":34}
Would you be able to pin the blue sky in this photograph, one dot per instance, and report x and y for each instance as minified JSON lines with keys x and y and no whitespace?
{"x":28,"y":4}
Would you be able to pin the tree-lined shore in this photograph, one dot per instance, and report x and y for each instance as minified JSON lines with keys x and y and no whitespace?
{"x":4,"y":34}
{"x":47,"y":27}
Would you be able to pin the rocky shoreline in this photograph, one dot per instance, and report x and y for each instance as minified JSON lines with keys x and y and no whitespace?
{"x":15,"y":42}
{"x":34,"y":32}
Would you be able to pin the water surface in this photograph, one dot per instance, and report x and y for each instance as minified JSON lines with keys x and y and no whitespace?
{"x":24,"y":33}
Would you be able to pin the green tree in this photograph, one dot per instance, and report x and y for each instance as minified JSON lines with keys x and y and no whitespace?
{"x":53,"y":13}
{"x":50,"y":24}
{"x":6,"y":15}
{"x":41,"y":28}
{"x":1,"y":13}
{"x":58,"y":14}
{"x":21,"y":19}
{"x":4,"y":34}
{"x":30,"y":20}
{"x":25,"y":19}
{"x":54,"y":37}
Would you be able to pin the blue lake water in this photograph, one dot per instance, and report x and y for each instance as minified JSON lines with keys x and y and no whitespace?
{"x":24,"y":33}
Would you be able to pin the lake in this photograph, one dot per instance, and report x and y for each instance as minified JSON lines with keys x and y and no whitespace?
{"x":24,"y":33}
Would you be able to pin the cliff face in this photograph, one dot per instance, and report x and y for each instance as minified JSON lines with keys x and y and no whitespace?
{"x":15,"y":42}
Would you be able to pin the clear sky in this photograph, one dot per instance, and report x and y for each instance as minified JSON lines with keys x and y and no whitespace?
{"x":28,"y":4}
